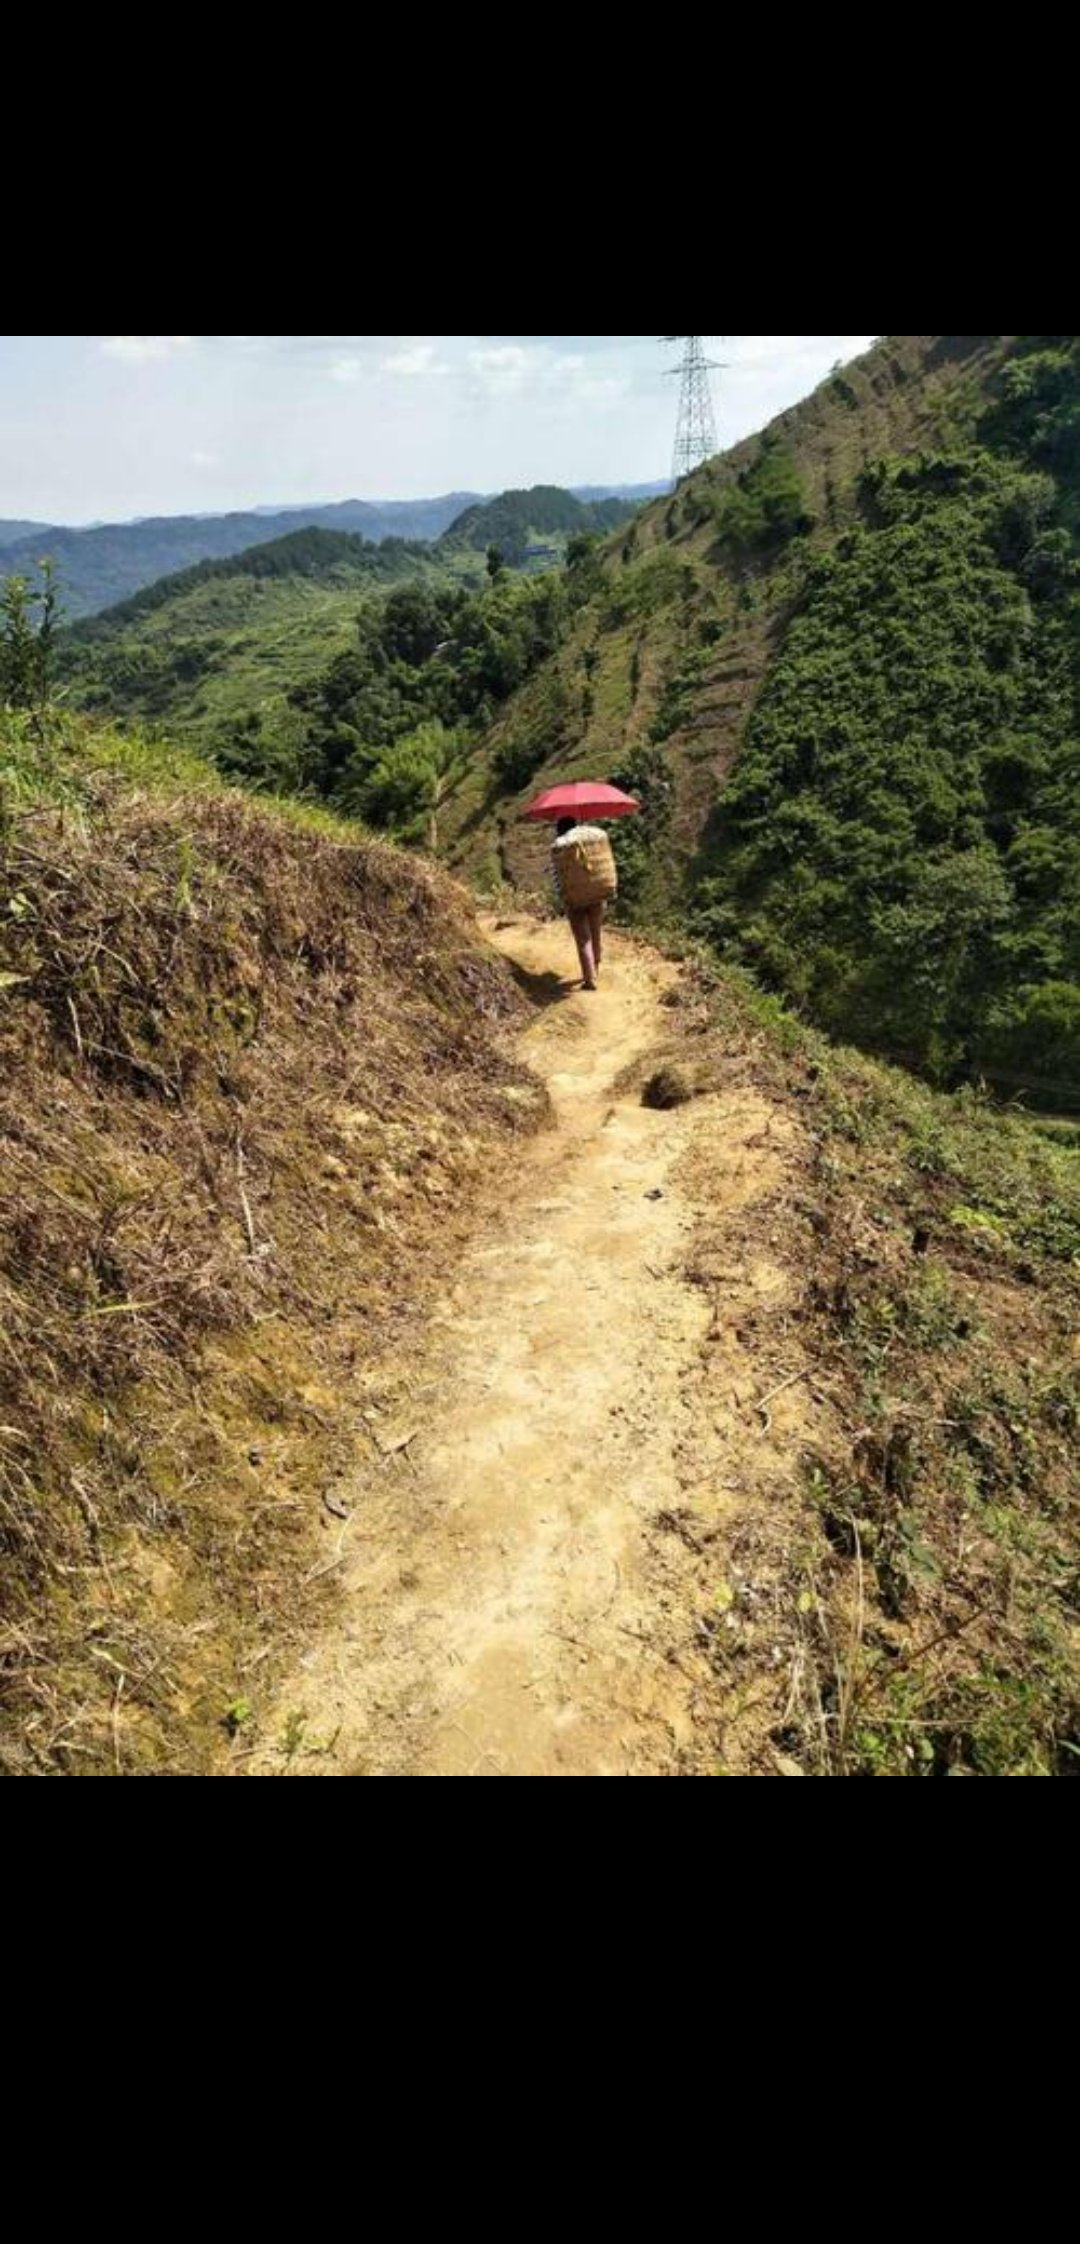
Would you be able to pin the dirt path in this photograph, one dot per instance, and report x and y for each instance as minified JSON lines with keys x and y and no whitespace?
{"x":503,"y":1612}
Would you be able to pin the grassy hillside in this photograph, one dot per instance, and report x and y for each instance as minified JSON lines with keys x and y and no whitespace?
{"x":331,"y":555}
{"x":249,"y":1093}
{"x":899,"y":845}
{"x":840,"y":665}
{"x":222,"y":645}
{"x":286,"y":663}
{"x":905,"y":1602}
{"x":672,"y":647}
{"x":362,"y":675}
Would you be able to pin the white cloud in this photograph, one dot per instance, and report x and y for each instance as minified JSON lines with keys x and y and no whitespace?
{"x":567,"y":377}
{"x":137,"y":349}
{"x":345,"y":370}
{"x":421,"y":359}
{"x":569,"y":373}
{"x":504,"y":370}
{"x":204,"y":459}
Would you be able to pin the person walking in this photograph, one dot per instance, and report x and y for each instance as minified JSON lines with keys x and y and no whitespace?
{"x":585,"y":881}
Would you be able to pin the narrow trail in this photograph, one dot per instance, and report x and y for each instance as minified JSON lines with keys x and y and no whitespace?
{"x":503,"y":1613}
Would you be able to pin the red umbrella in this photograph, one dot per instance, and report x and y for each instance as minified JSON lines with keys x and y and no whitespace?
{"x":586,"y":798}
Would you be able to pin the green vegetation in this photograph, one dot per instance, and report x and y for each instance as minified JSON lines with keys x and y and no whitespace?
{"x":218,"y":647}
{"x":428,"y":666}
{"x":102,"y":566}
{"x":840,"y":665}
{"x":762,"y":508}
{"x":292,"y":671}
{"x":28,"y":623}
{"x":542,"y":516}
{"x":640,"y":843}
{"x":899,"y":845}
{"x":308,"y":553}
{"x":852,"y":649}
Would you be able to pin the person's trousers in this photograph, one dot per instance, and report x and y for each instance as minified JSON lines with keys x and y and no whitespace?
{"x":586,"y":925}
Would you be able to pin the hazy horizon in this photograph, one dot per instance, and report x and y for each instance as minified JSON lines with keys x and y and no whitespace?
{"x":109,"y":429}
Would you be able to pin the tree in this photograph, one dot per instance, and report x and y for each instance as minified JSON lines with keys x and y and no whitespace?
{"x":581,"y":548}
{"x":26,"y":646}
{"x":401,"y":793}
{"x":898,"y":845}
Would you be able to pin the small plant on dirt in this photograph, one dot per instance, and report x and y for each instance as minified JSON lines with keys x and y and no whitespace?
{"x":293,"y":1735}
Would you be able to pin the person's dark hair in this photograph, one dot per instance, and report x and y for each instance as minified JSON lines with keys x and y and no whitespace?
{"x":564,"y":825}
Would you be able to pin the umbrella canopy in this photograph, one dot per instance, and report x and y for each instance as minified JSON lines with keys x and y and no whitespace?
{"x":582,"y":798}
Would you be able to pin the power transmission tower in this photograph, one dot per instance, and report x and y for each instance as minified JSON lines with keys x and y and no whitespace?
{"x":695,"y":433}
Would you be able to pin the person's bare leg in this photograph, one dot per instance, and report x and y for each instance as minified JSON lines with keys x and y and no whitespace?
{"x":580,"y":923}
{"x":596,"y":922}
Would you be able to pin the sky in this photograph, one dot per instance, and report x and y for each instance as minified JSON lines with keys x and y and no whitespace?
{"x":106,"y":427}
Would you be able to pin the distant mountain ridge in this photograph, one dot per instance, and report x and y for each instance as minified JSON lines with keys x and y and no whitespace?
{"x":13,"y":533}
{"x":233,"y":634}
{"x":517,"y":518}
{"x":308,"y":552}
{"x":100,"y":567}
{"x":108,"y":562}
{"x":656,"y":490}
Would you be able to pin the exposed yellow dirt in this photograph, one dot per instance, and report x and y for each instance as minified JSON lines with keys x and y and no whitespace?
{"x":508,"y":1608}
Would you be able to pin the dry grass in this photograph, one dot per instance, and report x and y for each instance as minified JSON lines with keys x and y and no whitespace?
{"x":251,"y":1078}
{"x":905,"y":1563}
